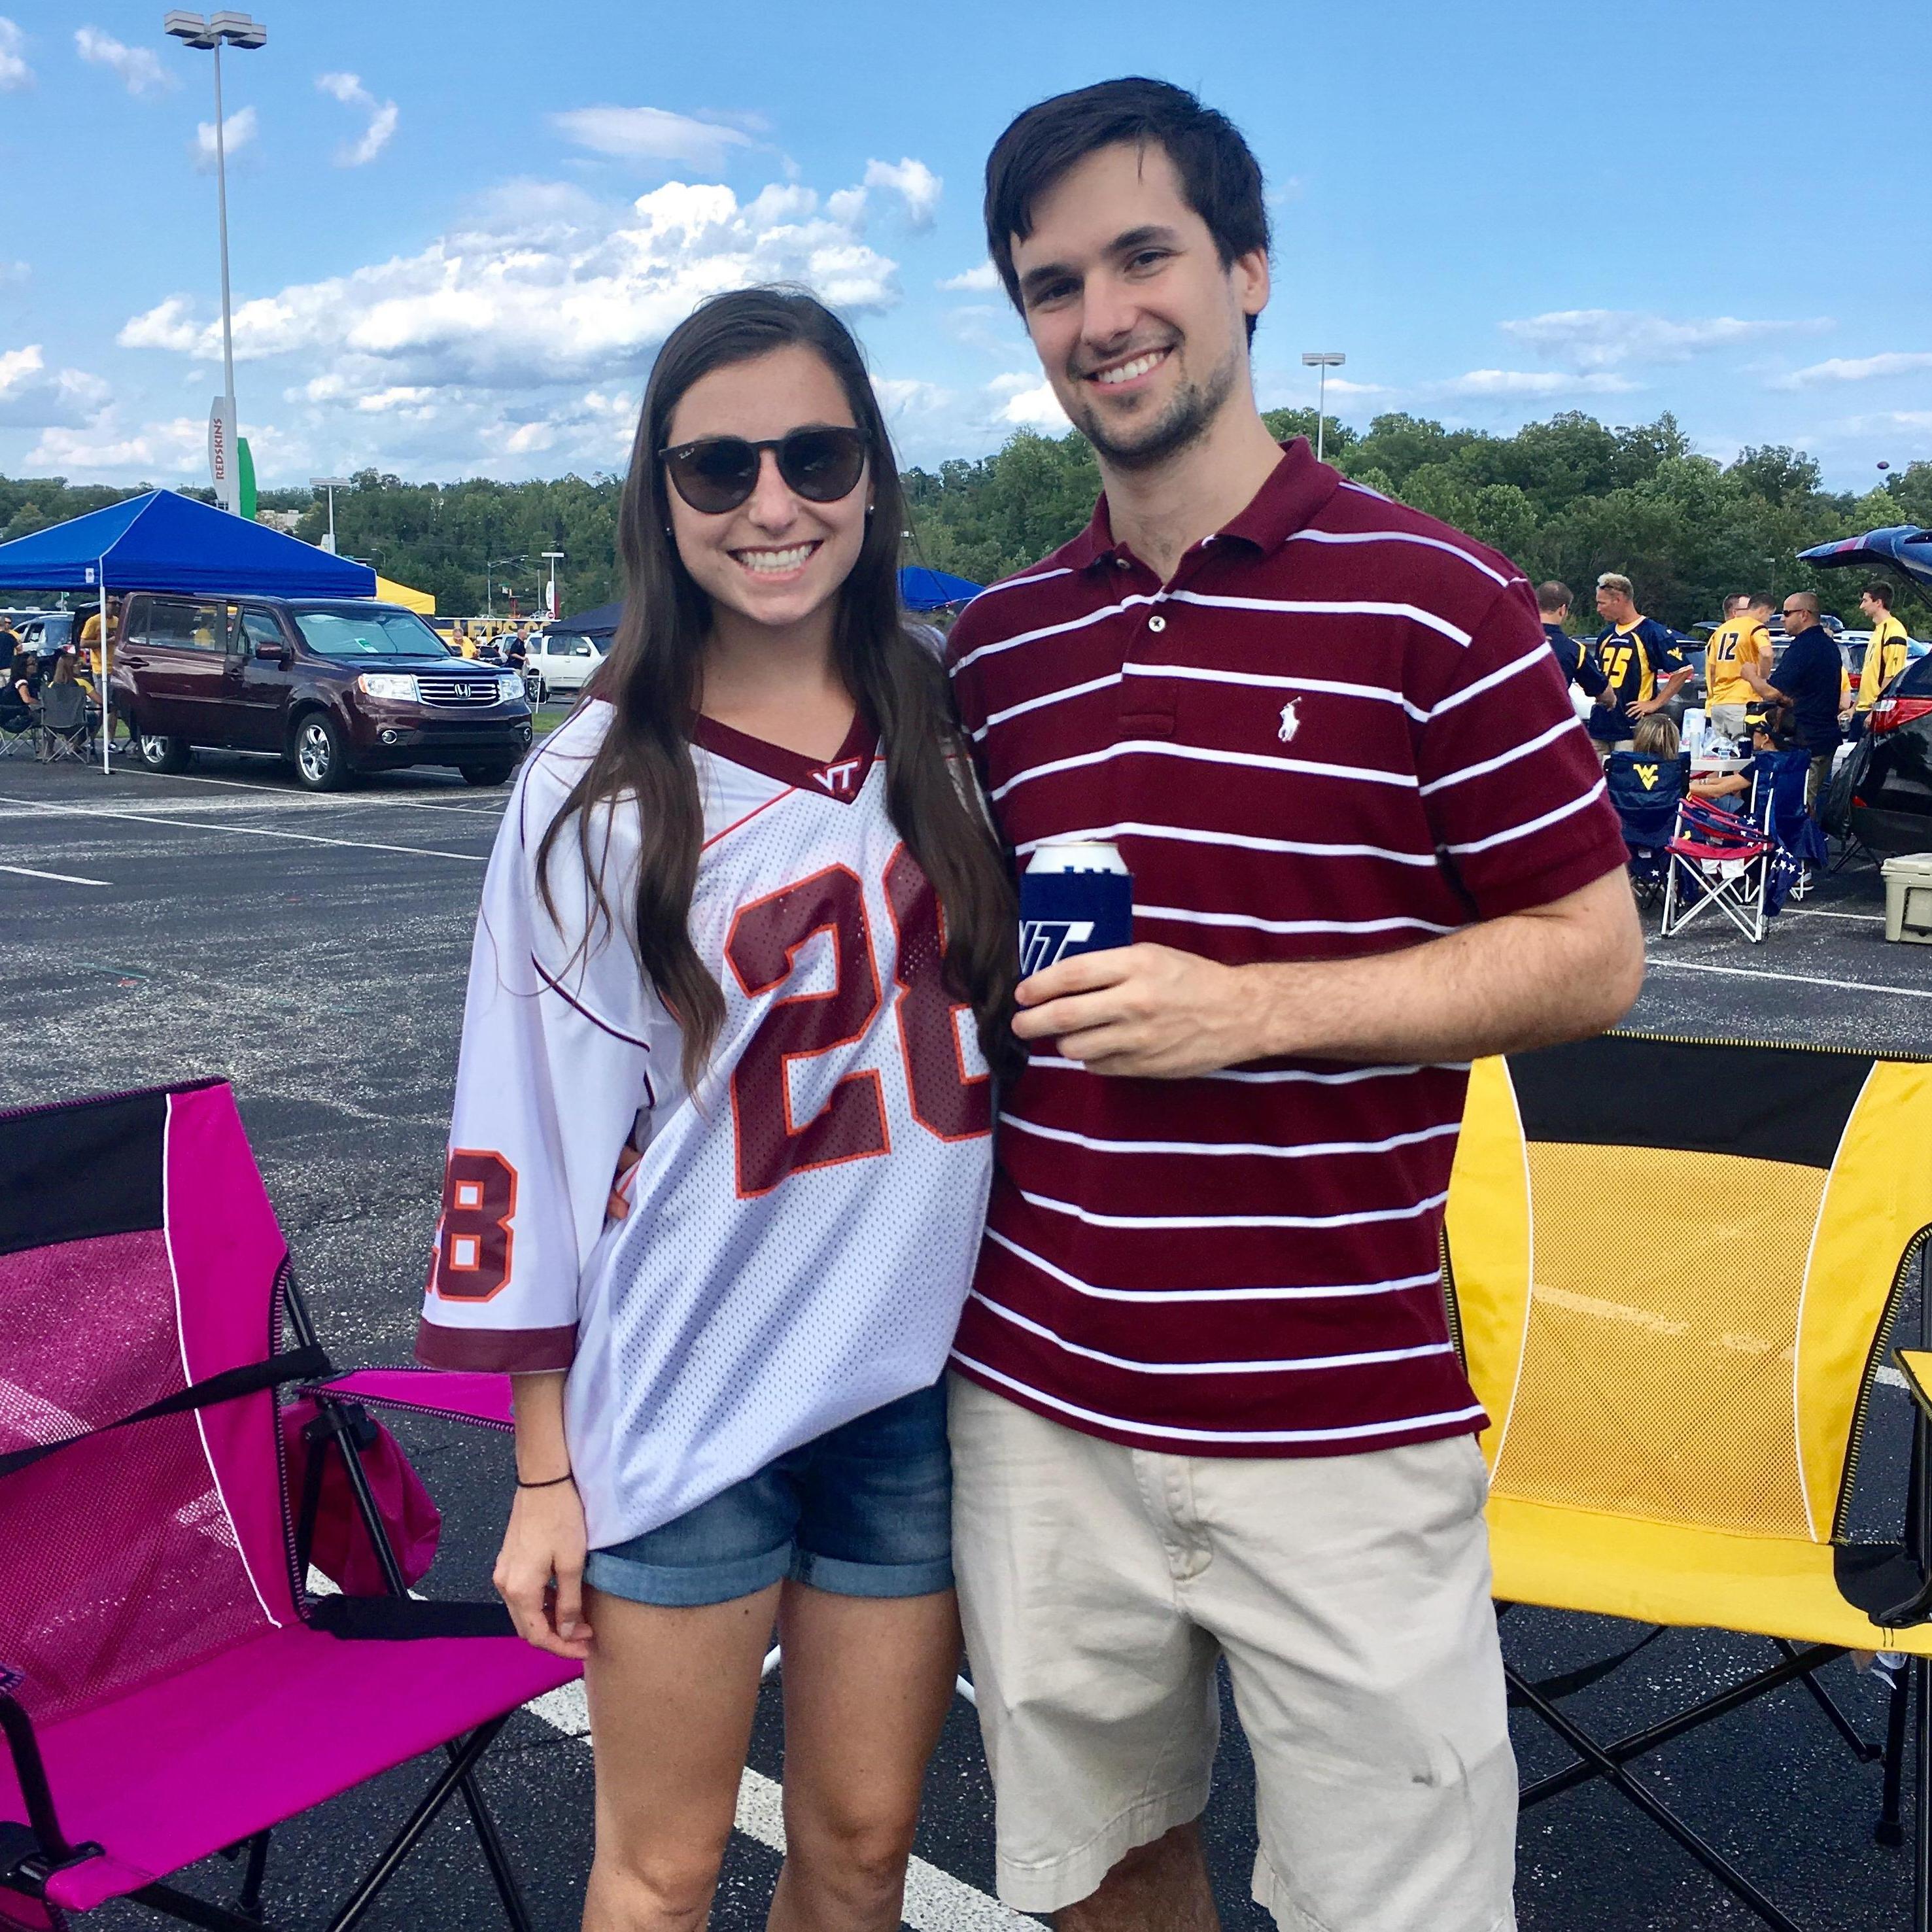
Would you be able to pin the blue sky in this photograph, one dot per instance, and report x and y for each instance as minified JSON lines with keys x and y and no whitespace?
{"x":458,"y":232}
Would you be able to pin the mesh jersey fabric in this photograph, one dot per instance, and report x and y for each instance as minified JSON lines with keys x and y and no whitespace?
{"x":803,"y":1226}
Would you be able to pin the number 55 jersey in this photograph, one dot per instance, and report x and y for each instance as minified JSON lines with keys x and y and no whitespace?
{"x":803,"y":1225}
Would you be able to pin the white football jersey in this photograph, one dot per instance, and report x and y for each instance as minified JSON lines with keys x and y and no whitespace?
{"x":802,"y":1227}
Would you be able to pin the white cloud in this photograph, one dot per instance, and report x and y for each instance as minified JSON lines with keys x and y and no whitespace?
{"x":15,"y":74}
{"x":1528,"y":382}
{"x":985,"y":276}
{"x":1288,"y":191}
{"x":383,"y":116}
{"x":15,"y":274}
{"x":32,"y":396}
{"x":1340,"y":385}
{"x":176,"y":449}
{"x":1596,"y":338}
{"x":238,"y":130}
{"x":1860,"y":369}
{"x":1027,"y":402}
{"x":652,"y":134}
{"x":914,"y":183}
{"x":502,"y":310}
{"x":139,"y":69}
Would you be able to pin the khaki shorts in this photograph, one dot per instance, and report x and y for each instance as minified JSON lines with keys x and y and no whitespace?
{"x":1728,"y":720}
{"x":1350,"y":1595}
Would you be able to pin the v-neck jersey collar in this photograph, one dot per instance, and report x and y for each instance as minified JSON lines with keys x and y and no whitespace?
{"x":840,"y":778}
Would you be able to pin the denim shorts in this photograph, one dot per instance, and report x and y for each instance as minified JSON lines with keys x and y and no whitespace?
{"x":864,"y":1511}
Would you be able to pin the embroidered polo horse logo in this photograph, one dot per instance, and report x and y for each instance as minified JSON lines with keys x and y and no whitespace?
{"x":1291,"y":721}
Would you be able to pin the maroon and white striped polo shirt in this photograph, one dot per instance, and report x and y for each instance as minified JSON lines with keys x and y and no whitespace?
{"x":1337,"y":731}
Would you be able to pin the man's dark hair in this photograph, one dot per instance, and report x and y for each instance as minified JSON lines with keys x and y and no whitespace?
{"x":1880,"y":591}
{"x":1552,"y":597}
{"x":1220,"y":179}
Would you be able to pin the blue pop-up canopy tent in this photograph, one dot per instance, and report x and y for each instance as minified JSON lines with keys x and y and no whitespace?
{"x":1904,"y":547}
{"x":164,"y":541}
{"x":923,"y":590}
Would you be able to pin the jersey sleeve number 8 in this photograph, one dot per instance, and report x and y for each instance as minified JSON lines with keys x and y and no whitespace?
{"x":765,"y":939}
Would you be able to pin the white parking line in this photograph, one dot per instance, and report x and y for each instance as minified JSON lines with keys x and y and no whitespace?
{"x":1817,"y":912}
{"x":281,"y":797}
{"x":1654,"y":965}
{"x":935,"y":1901}
{"x":65,"y":878}
{"x":242,"y":831}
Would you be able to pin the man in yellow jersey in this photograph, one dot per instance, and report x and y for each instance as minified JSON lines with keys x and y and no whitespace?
{"x":1739,"y":653}
{"x":1639,"y":657}
{"x":1885,"y":655}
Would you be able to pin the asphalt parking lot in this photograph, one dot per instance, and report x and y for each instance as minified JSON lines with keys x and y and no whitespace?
{"x":312,"y":950}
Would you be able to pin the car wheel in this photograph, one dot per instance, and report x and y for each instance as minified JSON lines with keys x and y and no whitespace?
{"x":162,"y":751}
{"x":487,"y":775}
{"x":321,"y":763}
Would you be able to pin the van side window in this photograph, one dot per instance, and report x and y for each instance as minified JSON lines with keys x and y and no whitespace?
{"x":183,"y":626}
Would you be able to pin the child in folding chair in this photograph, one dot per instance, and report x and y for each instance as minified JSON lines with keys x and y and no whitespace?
{"x":746,"y":940}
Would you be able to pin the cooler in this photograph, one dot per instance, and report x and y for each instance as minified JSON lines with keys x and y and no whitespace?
{"x":1908,"y":898}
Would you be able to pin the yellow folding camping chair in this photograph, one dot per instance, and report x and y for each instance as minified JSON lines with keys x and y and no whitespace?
{"x":1675,"y":1267}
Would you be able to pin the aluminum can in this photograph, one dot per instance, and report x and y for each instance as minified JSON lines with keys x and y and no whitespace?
{"x":1074,"y":898}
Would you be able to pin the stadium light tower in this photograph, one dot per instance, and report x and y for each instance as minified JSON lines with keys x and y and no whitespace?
{"x":208,"y":33}
{"x":553,"y":558}
{"x":1324,"y":359}
{"x":331,"y":484}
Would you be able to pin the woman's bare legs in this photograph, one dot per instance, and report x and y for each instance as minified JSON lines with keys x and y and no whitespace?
{"x":672,"y":1693}
{"x":867,"y":1682}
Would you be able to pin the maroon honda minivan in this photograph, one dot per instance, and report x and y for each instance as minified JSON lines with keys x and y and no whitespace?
{"x":334,"y":685}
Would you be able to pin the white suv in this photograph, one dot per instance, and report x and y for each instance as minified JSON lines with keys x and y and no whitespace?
{"x":562,"y":661}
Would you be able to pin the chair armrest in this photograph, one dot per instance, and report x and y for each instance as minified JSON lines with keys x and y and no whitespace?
{"x":1915,"y":1365}
{"x":455,"y":1395}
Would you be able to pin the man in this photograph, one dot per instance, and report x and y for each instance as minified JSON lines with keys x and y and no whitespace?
{"x":1809,"y":678}
{"x":1205,"y":1401}
{"x":516,"y":647}
{"x":1578,"y":666}
{"x":1634,"y":651}
{"x":1886,"y":654}
{"x":1736,"y":660}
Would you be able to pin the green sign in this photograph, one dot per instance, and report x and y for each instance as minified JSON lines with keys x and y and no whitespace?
{"x":247,"y":468}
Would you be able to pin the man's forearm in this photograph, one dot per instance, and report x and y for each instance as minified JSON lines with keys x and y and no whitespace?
{"x":1525,"y":980}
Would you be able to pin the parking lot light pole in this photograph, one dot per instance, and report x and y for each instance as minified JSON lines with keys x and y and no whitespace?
{"x":553,"y":558}
{"x":1324,"y":359}
{"x":208,"y":34}
{"x":331,"y":484}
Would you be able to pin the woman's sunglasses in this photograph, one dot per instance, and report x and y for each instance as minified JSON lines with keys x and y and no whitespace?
{"x":717,"y":473}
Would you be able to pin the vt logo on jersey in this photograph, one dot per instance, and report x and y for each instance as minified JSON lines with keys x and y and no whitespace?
{"x":842,"y":778}
{"x":1291,"y":721}
{"x":1045,"y":942}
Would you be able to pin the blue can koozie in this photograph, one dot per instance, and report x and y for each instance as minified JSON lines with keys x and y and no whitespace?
{"x":1074,"y":898}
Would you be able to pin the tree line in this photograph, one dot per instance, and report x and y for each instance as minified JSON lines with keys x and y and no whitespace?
{"x":1567,"y":498}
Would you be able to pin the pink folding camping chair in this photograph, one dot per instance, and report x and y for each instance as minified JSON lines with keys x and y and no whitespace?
{"x":167,"y":1690}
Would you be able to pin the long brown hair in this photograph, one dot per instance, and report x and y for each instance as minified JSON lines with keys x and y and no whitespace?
{"x":652,"y":676}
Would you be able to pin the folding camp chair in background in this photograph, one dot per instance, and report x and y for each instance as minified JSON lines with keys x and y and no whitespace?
{"x":66,"y":724}
{"x":19,"y":731}
{"x":166,"y":1689}
{"x":1725,"y":861}
{"x":1678,"y":1397}
{"x":1646,"y":792}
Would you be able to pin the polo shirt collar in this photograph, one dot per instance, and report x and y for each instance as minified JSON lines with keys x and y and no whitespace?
{"x":1296,"y":488}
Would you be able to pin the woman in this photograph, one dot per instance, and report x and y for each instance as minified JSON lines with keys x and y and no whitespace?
{"x":743,"y":915}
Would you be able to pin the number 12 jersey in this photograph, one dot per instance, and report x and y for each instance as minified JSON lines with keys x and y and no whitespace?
{"x":803,"y":1224}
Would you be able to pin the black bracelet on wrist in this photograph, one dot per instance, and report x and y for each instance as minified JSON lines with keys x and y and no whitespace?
{"x":550,"y":1485}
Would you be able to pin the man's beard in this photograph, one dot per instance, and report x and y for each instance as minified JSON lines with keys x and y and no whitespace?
{"x":1187,"y":419}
